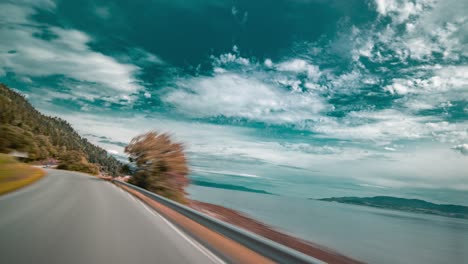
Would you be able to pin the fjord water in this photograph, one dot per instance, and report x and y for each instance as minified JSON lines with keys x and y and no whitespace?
{"x":368,"y":234}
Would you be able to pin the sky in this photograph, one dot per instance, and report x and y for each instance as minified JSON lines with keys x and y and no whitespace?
{"x":304,"y":98}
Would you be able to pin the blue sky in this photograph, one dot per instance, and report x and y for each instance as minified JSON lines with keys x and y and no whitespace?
{"x":310,"y":98}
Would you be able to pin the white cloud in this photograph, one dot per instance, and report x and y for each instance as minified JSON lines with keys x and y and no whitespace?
{"x":401,"y":10}
{"x":141,"y":56}
{"x":462,"y":148}
{"x":103,"y":12}
{"x":228,"y":58}
{"x":233,"y":95}
{"x":443,"y":168}
{"x":263,"y":158}
{"x":382,"y":126}
{"x":237,"y":96}
{"x":383,"y":5}
{"x":398,"y":87}
{"x":437,"y":86}
{"x":112,"y":151}
{"x":208,"y":140}
{"x":419,"y":48}
{"x":346,"y":82}
{"x":313,"y":149}
{"x":300,"y":66}
{"x":25,"y":79}
{"x":364,"y":50}
{"x":268,"y":63}
{"x":433,"y":29}
{"x":66,"y":53}
{"x":292,"y":83}
{"x":14,"y":14}
{"x":19,"y":11}
{"x":386,"y":126}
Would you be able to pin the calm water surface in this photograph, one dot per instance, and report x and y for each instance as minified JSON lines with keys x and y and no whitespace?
{"x":368,"y":234}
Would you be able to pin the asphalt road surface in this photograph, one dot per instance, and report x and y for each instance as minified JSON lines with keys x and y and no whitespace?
{"x":69,"y":217}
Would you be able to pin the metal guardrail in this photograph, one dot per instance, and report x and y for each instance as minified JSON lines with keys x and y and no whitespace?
{"x":261,"y":245}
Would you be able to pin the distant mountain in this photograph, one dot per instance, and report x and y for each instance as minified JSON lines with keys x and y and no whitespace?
{"x":227,"y":186}
{"x":23,"y":128}
{"x":402,"y":204}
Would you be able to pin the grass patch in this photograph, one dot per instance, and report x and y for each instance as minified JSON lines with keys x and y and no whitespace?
{"x":14,"y":175}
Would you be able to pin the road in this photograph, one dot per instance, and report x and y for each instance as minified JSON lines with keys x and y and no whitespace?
{"x":69,"y":217}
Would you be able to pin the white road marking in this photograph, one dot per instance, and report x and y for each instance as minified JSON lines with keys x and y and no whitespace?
{"x":194,"y":243}
{"x":120,"y":189}
{"x":134,"y":199}
{"x":128,"y":194}
{"x":131,"y":197}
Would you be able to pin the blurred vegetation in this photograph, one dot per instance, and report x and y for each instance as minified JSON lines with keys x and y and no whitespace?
{"x":76,"y":161}
{"x":23,"y":128}
{"x":14,"y":175}
{"x":161,"y":166}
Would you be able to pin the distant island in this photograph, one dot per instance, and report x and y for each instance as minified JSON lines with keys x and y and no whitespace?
{"x":227,"y":186}
{"x":408,"y":205}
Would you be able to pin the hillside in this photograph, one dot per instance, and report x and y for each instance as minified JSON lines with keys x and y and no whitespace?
{"x":25,"y":129}
{"x":402,"y":204}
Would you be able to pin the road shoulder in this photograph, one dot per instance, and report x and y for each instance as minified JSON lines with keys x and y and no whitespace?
{"x":15,"y":175}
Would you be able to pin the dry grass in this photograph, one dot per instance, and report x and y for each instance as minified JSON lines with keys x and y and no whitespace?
{"x":14,"y":175}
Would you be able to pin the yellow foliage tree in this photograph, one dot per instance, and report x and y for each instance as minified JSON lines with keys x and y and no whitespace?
{"x":161,"y":165}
